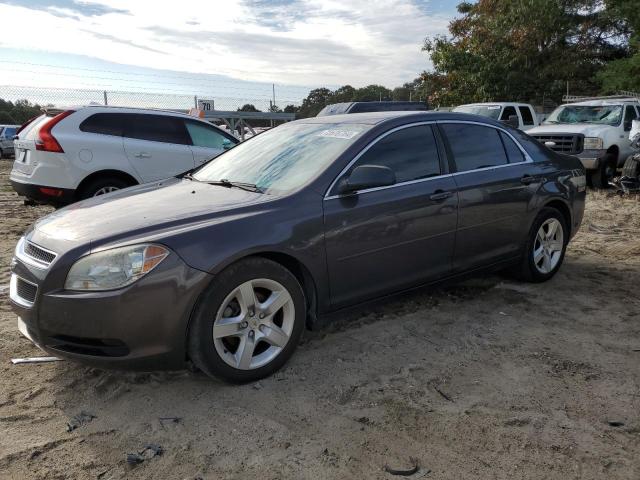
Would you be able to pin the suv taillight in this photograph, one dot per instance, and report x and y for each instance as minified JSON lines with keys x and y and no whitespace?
{"x":46,"y":141}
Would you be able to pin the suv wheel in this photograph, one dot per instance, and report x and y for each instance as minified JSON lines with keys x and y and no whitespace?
{"x":101,"y":186}
{"x":248,"y":322}
{"x":605,"y":172}
{"x":545,"y":248}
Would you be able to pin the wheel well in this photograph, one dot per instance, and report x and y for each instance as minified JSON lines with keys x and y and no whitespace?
{"x":106,"y":174}
{"x":302,"y":274}
{"x":564,"y":210}
{"x":613,"y":150}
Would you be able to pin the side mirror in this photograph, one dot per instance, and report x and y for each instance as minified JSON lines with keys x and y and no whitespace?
{"x":513,"y":121}
{"x":227,"y":144}
{"x":367,"y":176}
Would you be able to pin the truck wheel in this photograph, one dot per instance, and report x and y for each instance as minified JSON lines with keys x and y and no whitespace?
{"x":605,"y":172}
{"x":631,"y":167}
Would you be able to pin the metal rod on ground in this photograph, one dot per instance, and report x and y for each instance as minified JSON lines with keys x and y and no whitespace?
{"x":17,"y":361}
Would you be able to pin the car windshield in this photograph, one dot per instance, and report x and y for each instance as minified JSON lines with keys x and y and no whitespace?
{"x":600,"y":114}
{"x":284,"y":158}
{"x":491,"y":111}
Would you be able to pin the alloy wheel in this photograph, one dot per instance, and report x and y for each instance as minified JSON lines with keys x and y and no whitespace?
{"x":548,"y":245}
{"x":103,"y":190}
{"x":253,"y":324}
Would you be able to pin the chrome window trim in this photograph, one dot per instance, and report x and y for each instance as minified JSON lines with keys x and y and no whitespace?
{"x":34,"y":262}
{"x":527,"y":158}
{"x":13,"y":291}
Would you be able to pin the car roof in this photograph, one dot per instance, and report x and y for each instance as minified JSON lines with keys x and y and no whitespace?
{"x":492,"y":103}
{"x":374,"y":118}
{"x":600,"y":103}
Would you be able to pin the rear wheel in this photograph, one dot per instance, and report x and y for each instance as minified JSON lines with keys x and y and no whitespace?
{"x":248,"y":322}
{"x":101,"y":186}
{"x":605,"y":172}
{"x":546,"y":245}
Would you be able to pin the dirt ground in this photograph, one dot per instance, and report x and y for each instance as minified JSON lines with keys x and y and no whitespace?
{"x":489,"y":379}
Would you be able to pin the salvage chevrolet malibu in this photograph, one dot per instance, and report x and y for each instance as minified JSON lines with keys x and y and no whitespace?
{"x":226,"y":267}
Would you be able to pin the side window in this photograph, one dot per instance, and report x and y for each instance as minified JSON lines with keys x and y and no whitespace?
{"x":629,"y":115}
{"x":205,"y":136}
{"x":527,"y":117}
{"x":157,"y":128}
{"x":10,"y":132}
{"x":411,"y":152}
{"x":474,"y":146}
{"x":514,"y":154}
{"x":105,"y":124}
{"x":507,"y":112}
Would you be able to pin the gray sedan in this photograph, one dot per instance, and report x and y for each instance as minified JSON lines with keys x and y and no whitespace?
{"x":225,"y":267}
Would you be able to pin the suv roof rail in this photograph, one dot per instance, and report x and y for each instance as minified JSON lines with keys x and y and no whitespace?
{"x":621,"y":95}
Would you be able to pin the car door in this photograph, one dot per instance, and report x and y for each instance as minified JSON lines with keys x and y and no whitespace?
{"x":157,"y":146}
{"x":496,"y":181}
{"x":207,"y":141}
{"x":388,"y":238}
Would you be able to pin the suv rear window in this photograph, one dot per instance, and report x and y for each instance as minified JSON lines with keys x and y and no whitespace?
{"x":157,"y":128}
{"x":105,"y":124}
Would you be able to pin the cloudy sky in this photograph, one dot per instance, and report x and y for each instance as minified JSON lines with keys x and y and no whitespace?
{"x":288,"y":42}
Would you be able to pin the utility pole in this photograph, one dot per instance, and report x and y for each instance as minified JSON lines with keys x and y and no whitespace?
{"x":273,"y":86}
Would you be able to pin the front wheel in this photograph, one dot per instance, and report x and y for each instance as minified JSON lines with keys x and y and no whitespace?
{"x":606,"y":171}
{"x":248,"y":322}
{"x":546,"y":246}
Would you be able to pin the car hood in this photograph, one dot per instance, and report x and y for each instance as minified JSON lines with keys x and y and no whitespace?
{"x":588,"y":130}
{"x":142,"y":210}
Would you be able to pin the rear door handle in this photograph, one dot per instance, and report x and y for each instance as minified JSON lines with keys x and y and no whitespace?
{"x":440,"y":195}
{"x":142,"y":155}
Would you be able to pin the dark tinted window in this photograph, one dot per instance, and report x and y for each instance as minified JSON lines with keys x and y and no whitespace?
{"x":9,"y":132}
{"x":629,"y":115}
{"x":474,"y":146}
{"x":514,"y":154}
{"x":411,"y":153}
{"x":105,"y":124}
{"x":527,"y":118}
{"x":158,"y":128}
{"x":507,"y":112}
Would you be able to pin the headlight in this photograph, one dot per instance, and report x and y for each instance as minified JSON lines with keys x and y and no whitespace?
{"x":592,"y":143}
{"x":114,"y":268}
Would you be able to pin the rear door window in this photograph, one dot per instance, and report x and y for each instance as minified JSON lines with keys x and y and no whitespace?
{"x":412,"y":154}
{"x":507,"y":112}
{"x":514,"y":154}
{"x":157,"y":128}
{"x":105,"y":124}
{"x":474,"y":146}
{"x":205,"y":136}
{"x":527,"y":117}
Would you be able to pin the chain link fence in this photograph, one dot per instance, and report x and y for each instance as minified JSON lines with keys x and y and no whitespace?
{"x":65,"y":97}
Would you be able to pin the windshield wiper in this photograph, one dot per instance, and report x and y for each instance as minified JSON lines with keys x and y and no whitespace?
{"x":249,"y":187}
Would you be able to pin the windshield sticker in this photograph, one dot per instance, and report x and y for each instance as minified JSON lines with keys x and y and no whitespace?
{"x":338,"y":133}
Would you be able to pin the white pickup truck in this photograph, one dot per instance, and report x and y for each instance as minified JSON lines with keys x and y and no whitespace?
{"x":596,"y":131}
{"x":504,"y":111}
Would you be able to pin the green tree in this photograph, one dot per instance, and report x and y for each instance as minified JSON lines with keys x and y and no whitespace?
{"x":523,"y":50}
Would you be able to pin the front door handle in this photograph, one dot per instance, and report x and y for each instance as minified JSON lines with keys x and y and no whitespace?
{"x":142,"y":155}
{"x":440,"y":195}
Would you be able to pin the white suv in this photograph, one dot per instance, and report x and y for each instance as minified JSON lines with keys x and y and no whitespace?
{"x":64,"y":156}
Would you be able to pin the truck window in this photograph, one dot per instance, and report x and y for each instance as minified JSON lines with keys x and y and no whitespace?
{"x":629,"y":115}
{"x":527,"y":118}
{"x":507,"y":112}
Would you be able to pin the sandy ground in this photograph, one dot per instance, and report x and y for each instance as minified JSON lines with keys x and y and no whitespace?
{"x":487,"y":379}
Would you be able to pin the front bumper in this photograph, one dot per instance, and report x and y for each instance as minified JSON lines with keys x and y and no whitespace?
{"x":44,"y":193}
{"x":142,"y":326}
{"x":591,"y":158}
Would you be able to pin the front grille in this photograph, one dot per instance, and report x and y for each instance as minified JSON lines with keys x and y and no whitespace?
{"x":564,"y":143}
{"x":26,"y":290}
{"x":39,"y":254}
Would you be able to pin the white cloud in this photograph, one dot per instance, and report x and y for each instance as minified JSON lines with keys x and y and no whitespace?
{"x":308,"y":42}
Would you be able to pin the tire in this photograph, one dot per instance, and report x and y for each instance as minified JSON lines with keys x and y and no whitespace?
{"x":104,"y":184}
{"x":530,"y":268}
{"x":216,"y":344}
{"x":605,"y":172}
{"x":631,"y":167}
